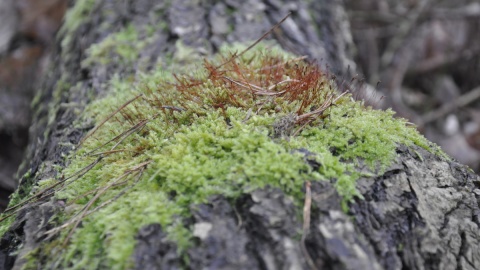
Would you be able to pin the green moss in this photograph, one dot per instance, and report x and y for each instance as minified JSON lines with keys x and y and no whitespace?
{"x":74,"y":18}
{"x":185,"y":55}
{"x":210,"y":133}
{"x":123,"y":45}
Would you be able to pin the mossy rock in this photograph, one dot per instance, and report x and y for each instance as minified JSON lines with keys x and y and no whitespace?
{"x":228,"y":126}
{"x":213,"y":163}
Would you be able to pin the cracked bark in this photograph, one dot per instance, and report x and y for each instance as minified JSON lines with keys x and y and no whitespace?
{"x":421,"y":214}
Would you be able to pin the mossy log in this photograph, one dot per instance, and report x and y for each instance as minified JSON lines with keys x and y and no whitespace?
{"x":293,"y":184}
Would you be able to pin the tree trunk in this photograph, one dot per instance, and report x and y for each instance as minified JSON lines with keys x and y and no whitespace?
{"x":421,"y":213}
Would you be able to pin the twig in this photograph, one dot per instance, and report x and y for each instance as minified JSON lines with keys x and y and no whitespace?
{"x":239,"y":218}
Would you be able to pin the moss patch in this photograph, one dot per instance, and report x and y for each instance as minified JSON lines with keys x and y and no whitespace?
{"x":221,"y":129}
{"x":122,"y":46}
{"x":74,"y":18}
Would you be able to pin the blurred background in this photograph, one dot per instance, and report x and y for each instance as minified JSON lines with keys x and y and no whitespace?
{"x":426,"y":56}
{"x":422,"y":58}
{"x":27,"y":33}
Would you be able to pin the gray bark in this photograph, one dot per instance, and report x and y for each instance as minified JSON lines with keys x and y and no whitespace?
{"x":421,"y":214}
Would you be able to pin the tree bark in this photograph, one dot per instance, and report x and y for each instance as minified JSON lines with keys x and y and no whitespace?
{"x":420,"y":214}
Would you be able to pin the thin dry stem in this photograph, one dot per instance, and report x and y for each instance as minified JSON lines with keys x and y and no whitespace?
{"x":122,"y":135}
{"x":140,"y":167}
{"x":113,"y":152}
{"x":39,"y":194}
{"x":282,"y":82}
{"x":130,"y":132}
{"x":56,"y":230}
{"x":108,"y":118}
{"x":259,"y":90}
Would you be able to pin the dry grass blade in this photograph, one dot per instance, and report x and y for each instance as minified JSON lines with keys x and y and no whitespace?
{"x":306,"y":224}
{"x":123,"y":191}
{"x":318,"y":111}
{"x":113,"y":152}
{"x":306,"y":209}
{"x":130,"y":132}
{"x":245,"y":85}
{"x":139,"y":166}
{"x":341,"y":95}
{"x":301,"y":128}
{"x":108,"y":118}
{"x":330,"y":101}
{"x":309,"y":117}
{"x":282,"y":82}
{"x":84,"y":211}
{"x":7,"y":216}
{"x":83,"y":172}
{"x":259,"y":90}
{"x":39,"y":196}
{"x":122,"y":135}
{"x":267,"y":93}
{"x":56,"y":230}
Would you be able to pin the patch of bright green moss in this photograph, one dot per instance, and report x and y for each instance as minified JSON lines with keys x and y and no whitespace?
{"x":207,"y":135}
{"x":123,"y":45}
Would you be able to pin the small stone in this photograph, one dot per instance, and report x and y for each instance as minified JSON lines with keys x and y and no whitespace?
{"x":202,"y":229}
